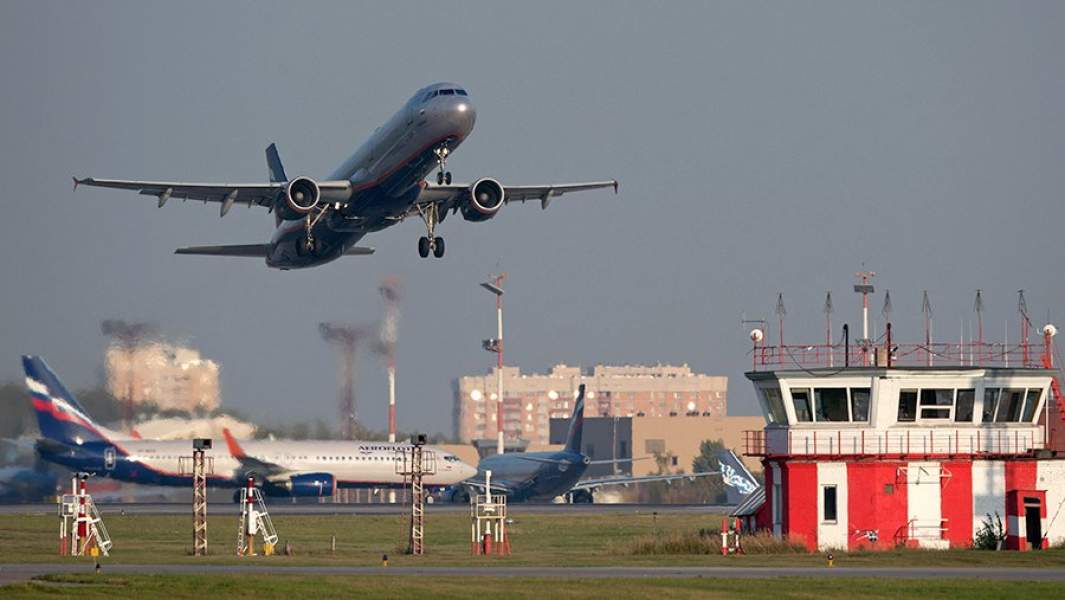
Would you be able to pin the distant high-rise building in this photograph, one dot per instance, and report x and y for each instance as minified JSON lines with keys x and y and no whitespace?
{"x":169,"y":376}
{"x":530,"y":401}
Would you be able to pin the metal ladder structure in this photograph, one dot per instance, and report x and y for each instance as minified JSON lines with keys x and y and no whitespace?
{"x":81,"y":528}
{"x":254,"y":520}
{"x":416,"y":462}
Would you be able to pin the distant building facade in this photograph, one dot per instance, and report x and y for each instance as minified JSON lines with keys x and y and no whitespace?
{"x":169,"y":376}
{"x":531,"y":400}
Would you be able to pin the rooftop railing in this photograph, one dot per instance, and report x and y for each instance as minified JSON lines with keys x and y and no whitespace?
{"x":939,"y":442}
{"x":884,"y":354}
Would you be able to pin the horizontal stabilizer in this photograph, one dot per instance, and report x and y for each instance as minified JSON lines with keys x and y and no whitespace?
{"x":251,"y":250}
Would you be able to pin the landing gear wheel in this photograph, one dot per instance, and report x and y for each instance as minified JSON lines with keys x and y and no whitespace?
{"x":438,"y":247}
{"x":424,"y":247}
{"x":447,"y":177}
{"x":440,"y":178}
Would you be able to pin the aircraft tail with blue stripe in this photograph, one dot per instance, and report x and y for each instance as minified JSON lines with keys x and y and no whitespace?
{"x":59,"y":415}
{"x":576,"y":423}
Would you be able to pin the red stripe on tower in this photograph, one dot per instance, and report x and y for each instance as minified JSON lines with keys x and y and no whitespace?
{"x":876,"y":503}
{"x":800,"y":513}
{"x":1020,"y":483}
{"x":956,"y":498}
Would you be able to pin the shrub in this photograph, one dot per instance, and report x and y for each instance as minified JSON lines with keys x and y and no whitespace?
{"x":991,"y":534}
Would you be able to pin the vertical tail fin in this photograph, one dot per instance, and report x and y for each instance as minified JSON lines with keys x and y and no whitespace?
{"x":576,"y":423}
{"x":59,"y":415}
{"x":273,"y":163}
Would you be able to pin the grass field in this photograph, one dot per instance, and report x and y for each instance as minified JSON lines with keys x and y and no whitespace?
{"x":288,"y":586}
{"x":537,"y":540}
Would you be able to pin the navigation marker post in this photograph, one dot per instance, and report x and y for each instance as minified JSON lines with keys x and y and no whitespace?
{"x":201,"y":465}
{"x":416,"y":462}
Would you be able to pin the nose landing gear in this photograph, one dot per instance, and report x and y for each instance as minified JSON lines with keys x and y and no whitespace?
{"x":443,"y":176}
{"x":430,"y":243}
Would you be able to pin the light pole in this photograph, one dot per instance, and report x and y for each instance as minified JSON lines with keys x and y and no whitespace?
{"x":496,"y":345}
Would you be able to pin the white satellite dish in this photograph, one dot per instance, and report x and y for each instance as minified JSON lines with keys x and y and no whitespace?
{"x":757,"y":335}
{"x":1050,"y":330}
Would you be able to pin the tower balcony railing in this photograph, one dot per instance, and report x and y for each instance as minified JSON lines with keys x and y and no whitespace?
{"x":909,"y":442}
{"x":960,"y":354}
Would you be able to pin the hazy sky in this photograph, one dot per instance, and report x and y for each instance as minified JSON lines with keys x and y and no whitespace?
{"x":761,"y":147}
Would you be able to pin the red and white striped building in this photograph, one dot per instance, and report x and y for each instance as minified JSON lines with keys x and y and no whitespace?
{"x":879,"y":455}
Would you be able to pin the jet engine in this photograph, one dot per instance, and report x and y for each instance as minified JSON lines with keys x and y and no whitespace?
{"x":310,"y":485}
{"x":301,"y":196}
{"x":486,"y":198}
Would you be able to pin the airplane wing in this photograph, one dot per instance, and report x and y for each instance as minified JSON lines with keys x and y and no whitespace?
{"x":254,"y":250}
{"x":249,"y":464}
{"x":501,"y":487}
{"x":591,"y":484}
{"x":451,"y":196}
{"x":227,"y":194}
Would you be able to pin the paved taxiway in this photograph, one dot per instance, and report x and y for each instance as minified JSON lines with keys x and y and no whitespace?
{"x":22,"y":572}
{"x":282,"y":507}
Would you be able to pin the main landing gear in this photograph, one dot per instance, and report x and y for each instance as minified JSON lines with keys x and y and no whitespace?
{"x":443,"y":176}
{"x":430,"y":243}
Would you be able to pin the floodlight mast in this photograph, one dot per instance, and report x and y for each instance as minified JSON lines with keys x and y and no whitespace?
{"x":495,"y":286}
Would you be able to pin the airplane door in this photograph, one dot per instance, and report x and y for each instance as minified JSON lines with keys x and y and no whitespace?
{"x":109,"y":458}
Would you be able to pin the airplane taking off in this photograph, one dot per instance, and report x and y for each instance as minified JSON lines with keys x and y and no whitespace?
{"x":284,"y":468}
{"x":545,"y":475}
{"x":381,"y":184}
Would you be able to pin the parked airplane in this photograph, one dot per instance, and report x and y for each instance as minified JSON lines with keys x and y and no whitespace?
{"x":284,"y":468}
{"x":546,"y":475}
{"x":381,"y":184}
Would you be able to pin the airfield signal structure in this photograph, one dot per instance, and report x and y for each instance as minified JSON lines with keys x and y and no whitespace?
{"x":81,"y":530}
{"x":495,"y":345}
{"x":254,"y":520}
{"x":416,"y":462}
{"x":199,"y":465}
{"x":488,"y":526}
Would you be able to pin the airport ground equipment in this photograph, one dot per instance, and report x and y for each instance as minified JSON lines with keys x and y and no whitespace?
{"x":81,"y":530}
{"x":730,"y":536}
{"x":488,"y":527}
{"x":254,"y":520}
{"x":198,"y":465}
{"x":416,"y":462}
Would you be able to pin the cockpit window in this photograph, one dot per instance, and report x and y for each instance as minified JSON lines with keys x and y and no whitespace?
{"x":451,"y":458}
{"x":461,"y":92}
{"x":447,"y":92}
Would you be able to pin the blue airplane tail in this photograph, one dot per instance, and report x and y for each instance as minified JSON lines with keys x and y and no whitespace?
{"x":59,"y":415}
{"x":576,"y":423}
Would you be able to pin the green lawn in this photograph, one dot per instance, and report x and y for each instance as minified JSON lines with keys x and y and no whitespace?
{"x":536,"y":539}
{"x":290,"y":586}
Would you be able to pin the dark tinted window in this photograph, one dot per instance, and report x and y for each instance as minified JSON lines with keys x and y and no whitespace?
{"x":829,"y":500}
{"x":460,"y":92}
{"x":940,"y":402}
{"x":1030,"y":404}
{"x":831,"y":404}
{"x":860,"y":404}
{"x":990,"y":404}
{"x":963,"y":409}
{"x":447,"y":92}
{"x":907,"y":406}
{"x":800,"y":399}
{"x":1009,"y":406}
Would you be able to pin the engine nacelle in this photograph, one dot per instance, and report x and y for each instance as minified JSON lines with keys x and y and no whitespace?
{"x":486,"y":198}
{"x":310,"y":485}
{"x":301,"y":196}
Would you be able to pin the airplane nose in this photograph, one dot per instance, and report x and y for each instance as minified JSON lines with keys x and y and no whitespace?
{"x":468,"y":471}
{"x":461,"y":113}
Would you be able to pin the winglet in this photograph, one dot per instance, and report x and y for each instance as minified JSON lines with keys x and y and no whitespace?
{"x":615,"y":187}
{"x":234,"y":448}
{"x":133,"y":433}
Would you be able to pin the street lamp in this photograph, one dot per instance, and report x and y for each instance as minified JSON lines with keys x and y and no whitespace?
{"x":495,"y":286}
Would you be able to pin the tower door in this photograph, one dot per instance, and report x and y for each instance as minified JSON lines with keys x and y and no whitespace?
{"x":1033,"y":528}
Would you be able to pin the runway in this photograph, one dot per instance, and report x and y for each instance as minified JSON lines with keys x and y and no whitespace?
{"x":21,"y":572}
{"x":285,"y":507}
